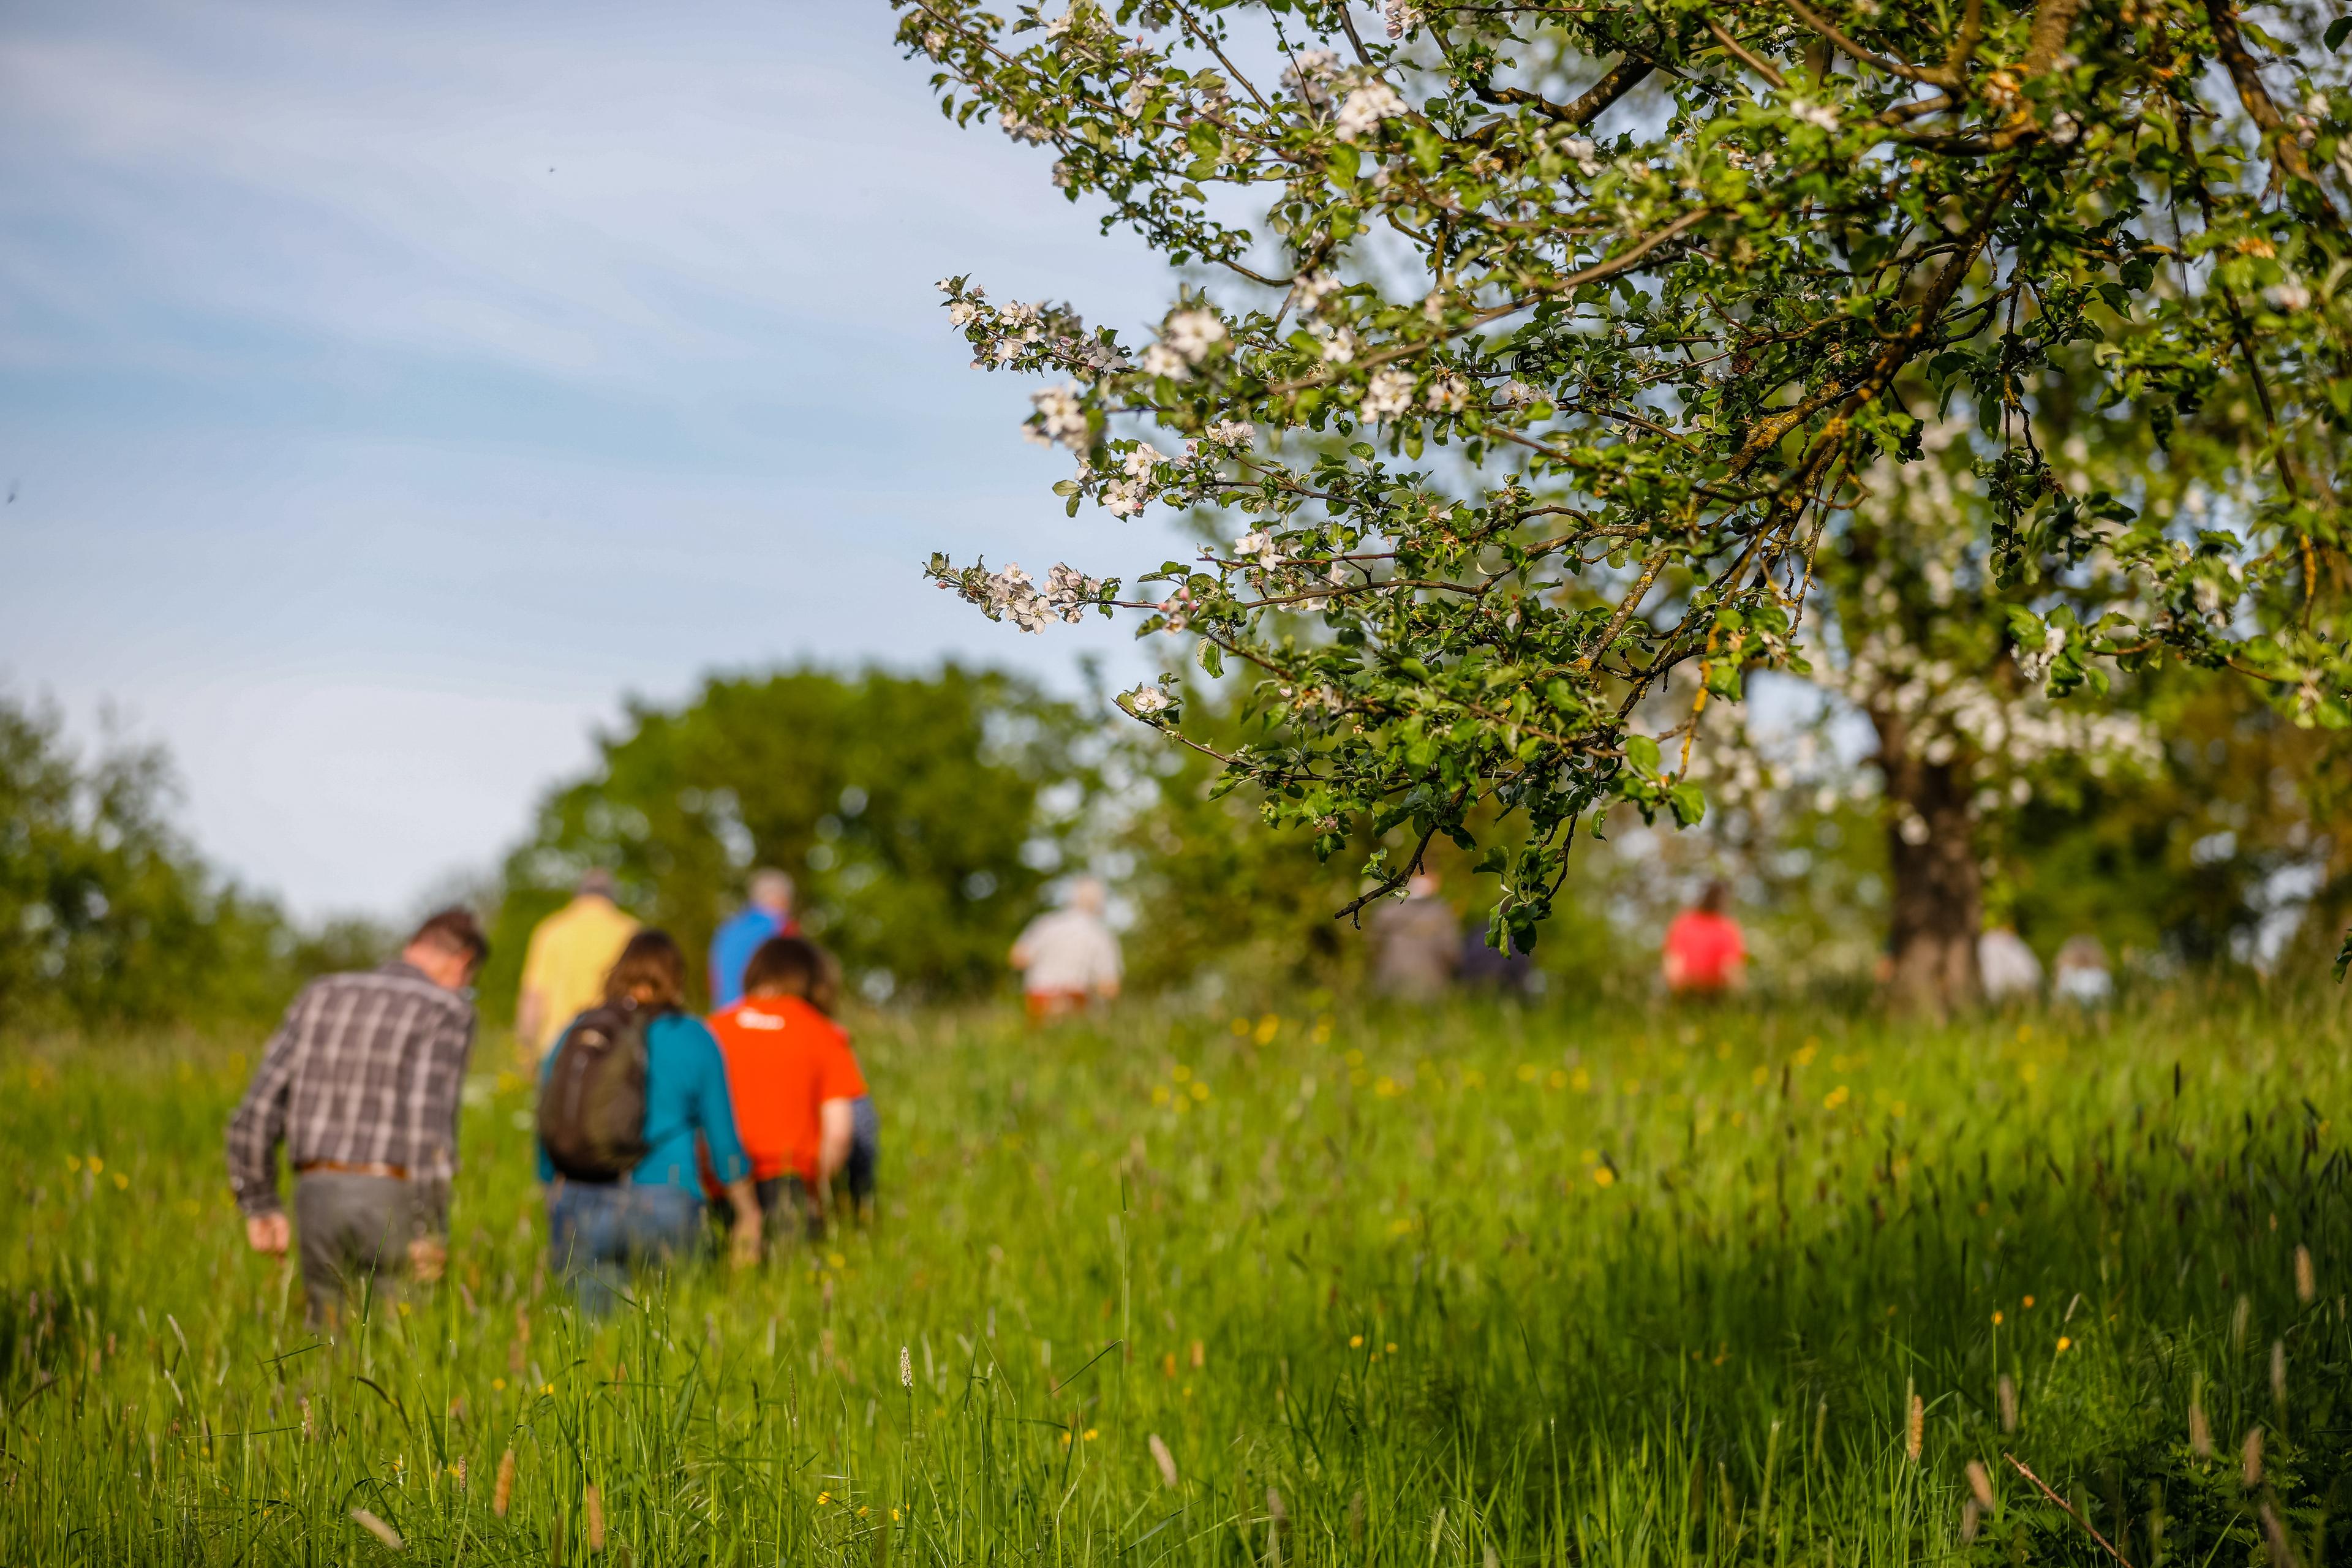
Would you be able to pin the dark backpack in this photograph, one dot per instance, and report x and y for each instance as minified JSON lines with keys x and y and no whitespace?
{"x":592,"y":1108}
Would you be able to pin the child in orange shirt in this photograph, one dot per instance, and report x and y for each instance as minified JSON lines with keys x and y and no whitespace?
{"x":793,"y":1079}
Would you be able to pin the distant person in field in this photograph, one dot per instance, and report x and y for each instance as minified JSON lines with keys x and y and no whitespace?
{"x":2083,"y":976}
{"x":800,"y":1102}
{"x":1068,"y":958}
{"x":2006,"y":967}
{"x":564,"y":968}
{"x":361,"y":1084}
{"x":770,"y":914}
{"x":1416,"y":942}
{"x":1704,"y":954}
{"x":653,"y":1212}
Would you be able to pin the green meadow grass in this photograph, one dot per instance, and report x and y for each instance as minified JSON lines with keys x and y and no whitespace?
{"x":1471,"y":1286}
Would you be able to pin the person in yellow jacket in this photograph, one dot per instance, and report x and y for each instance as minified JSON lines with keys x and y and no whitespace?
{"x":563,"y":969}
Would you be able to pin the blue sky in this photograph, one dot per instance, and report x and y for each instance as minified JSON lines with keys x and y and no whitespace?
{"x":388,"y":390}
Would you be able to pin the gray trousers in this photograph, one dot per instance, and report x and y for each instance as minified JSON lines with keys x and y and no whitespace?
{"x":353,"y":1233}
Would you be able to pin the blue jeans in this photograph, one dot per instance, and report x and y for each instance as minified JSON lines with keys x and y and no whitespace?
{"x":596,"y":1232}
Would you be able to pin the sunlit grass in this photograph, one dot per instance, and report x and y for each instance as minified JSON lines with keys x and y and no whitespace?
{"x":1451,"y":1288}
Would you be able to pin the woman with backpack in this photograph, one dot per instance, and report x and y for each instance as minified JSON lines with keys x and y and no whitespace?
{"x":631,"y":1092}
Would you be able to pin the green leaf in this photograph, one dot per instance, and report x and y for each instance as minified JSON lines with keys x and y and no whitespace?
{"x":1209,"y":656}
{"x":1688,"y":802}
{"x":1642,"y":753}
{"x":2337,"y":31}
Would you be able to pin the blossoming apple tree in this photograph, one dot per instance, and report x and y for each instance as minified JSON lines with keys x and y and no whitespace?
{"x":1543,"y":349}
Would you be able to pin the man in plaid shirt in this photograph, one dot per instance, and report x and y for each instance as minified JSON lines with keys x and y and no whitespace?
{"x":360,"y":1083}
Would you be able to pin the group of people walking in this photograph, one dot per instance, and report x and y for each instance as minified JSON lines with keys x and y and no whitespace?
{"x":652,"y":1122}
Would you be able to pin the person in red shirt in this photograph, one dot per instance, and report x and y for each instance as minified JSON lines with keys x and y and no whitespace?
{"x":791,"y":1075}
{"x":1704,"y":954}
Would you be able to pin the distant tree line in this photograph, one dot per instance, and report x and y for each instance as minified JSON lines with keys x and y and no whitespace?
{"x":925,"y":817}
{"x":108,"y":918}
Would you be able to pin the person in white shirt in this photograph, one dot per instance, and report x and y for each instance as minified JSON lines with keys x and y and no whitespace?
{"x":2007,"y":966}
{"x":1068,"y":958}
{"x":2084,"y":977}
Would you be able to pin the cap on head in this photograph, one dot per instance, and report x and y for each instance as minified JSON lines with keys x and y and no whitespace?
{"x":596,"y":882}
{"x":772,"y":889}
{"x":1088,"y":895}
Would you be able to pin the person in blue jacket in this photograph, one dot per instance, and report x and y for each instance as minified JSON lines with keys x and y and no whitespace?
{"x":597,"y":1230}
{"x":770,"y":914}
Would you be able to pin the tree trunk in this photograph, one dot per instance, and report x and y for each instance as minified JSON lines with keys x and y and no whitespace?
{"x":1939,"y":894}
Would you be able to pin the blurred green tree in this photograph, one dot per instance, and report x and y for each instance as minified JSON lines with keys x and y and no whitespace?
{"x":107,"y":918}
{"x":919,"y":813}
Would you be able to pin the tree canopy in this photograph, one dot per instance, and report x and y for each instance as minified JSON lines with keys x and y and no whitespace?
{"x":1544,"y":347}
{"x":919,"y":813}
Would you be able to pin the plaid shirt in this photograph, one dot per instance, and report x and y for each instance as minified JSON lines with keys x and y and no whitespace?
{"x":365,"y":1070}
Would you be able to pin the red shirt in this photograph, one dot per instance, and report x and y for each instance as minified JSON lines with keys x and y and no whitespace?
{"x":785,"y":1058}
{"x":1707,"y":948}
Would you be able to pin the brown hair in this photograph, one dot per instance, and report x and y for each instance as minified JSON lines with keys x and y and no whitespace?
{"x":652,"y":961}
{"x":1714,"y":898}
{"x":455,"y":930}
{"x":794,"y":966}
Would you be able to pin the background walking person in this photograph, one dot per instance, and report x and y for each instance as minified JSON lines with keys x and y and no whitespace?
{"x":361,"y":1084}
{"x":769,"y":915}
{"x":1068,"y":958}
{"x":564,"y":968}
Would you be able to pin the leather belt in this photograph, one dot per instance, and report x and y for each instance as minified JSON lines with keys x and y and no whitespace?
{"x":337,"y":1167}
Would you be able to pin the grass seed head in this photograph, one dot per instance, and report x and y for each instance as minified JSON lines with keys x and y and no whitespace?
{"x":2306,"y":1284}
{"x":1980,"y":1484}
{"x":1914,"y":1424}
{"x":906,"y":1368}
{"x":2251,"y":1459}
{"x":2006,"y":1395}
{"x":2278,"y":1374}
{"x":2238,"y":1321}
{"x":2201,"y":1433}
{"x":378,"y":1529}
{"x":503,"y":1492}
{"x":595,"y":1501}
{"x":1164,"y":1460}
{"x":1968,"y":1516}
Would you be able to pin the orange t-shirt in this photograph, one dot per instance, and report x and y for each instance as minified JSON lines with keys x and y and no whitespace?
{"x":785,"y":1058}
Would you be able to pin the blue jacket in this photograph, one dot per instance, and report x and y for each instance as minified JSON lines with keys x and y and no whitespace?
{"x":685,"y":1094}
{"x":733,"y":946}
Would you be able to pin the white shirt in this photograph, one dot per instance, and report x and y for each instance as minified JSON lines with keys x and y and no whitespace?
{"x":1068,"y":950}
{"x":2006,"y":965}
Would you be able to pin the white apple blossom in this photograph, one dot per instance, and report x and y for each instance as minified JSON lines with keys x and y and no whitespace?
{"x":1232,"y":433}
{"x":1340,"y":347}
{"x":1060,"y":418}
{"x":1160,"y":359}
{"x":1312,"y":288}
{"x":1389,"y":393}
{"x":1309,"y":74}
{"x":1824,"y":115}
{"x":1449,"y":395}
{"x":1193,"y":333}
{"x":1146,"y":700}
{"x":1142,"y":460}
{"x":1402,"y":18}
{"x":1125,"y":497}
{"x":1366,"y":107}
